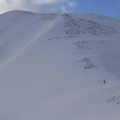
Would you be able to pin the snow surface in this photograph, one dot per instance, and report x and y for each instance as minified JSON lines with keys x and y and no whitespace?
{"x":59,"y":67}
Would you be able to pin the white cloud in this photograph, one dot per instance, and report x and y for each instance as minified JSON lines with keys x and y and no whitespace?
{"x":37,"y":5}
{"x":72,"y":4}
{"x":64,"y":9}
{"x":16,"y":1}
{"x":13,"y":4}
{"x":46,"y":1}
{"x":3,"y":1}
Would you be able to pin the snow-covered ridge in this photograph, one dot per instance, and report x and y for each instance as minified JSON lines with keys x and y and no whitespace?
{"x":59,"y":66}
{"x":81,"y":26}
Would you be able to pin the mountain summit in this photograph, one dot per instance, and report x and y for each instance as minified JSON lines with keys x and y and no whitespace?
{"x":59,"y":66}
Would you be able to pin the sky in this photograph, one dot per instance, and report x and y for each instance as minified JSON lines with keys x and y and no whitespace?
{"x":106,"y":7}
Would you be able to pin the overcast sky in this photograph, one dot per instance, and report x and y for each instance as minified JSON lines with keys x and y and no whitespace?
{"x":106,"y":7}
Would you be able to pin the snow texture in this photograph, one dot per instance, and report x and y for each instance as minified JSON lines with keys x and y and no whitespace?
{"x":59,"y":67}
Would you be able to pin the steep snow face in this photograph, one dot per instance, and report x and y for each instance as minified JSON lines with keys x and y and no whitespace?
{"x":59,"y":67}
{"x":78,"y":26}
{"x":29,"y":29}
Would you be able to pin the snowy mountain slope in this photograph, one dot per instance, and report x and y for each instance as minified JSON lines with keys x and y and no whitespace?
{"x":55,"y":67}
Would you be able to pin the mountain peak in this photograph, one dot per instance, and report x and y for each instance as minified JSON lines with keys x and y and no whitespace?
{"x":59,"y":66}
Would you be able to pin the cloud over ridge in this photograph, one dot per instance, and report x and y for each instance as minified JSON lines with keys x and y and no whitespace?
{"x":38,"y":5}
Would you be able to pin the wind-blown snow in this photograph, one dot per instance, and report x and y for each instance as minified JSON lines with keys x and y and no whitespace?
{"x":59,"y":67}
